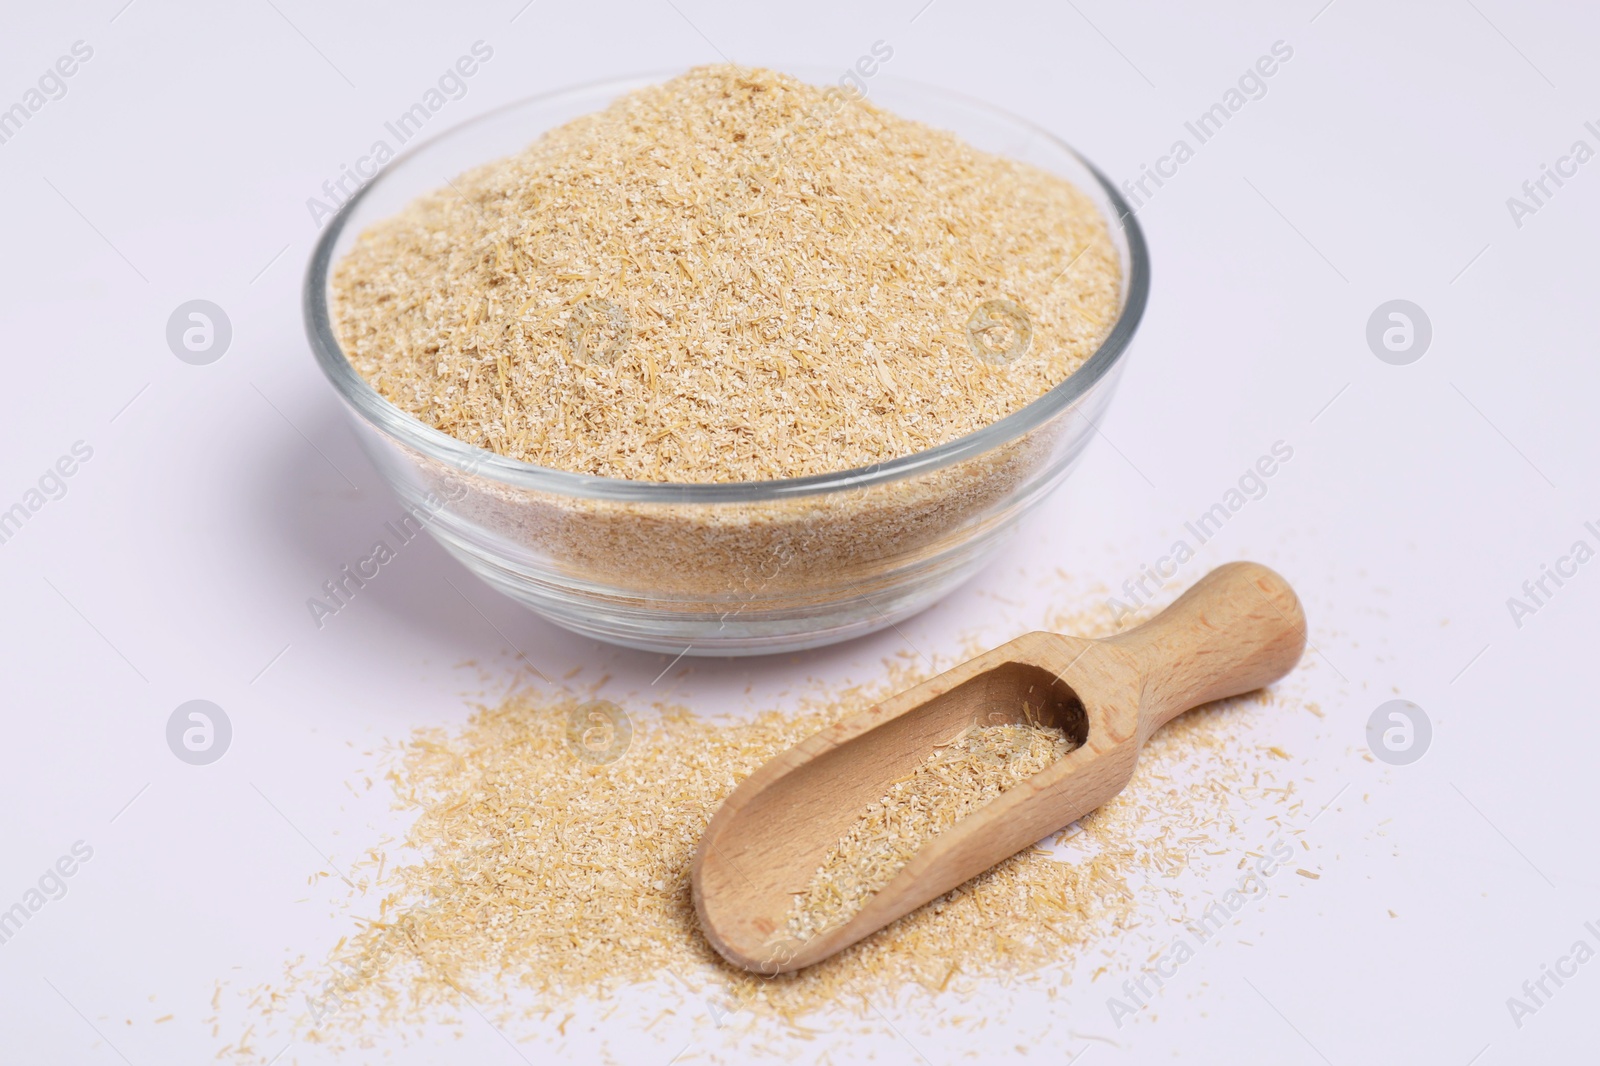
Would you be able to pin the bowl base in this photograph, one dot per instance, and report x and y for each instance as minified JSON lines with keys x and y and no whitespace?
{"x":740,"y":630}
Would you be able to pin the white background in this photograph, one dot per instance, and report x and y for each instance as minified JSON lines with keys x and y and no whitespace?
{"x":1420,"y":497}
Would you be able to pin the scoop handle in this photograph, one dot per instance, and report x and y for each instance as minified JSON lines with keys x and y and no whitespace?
{"x":1236,"y":629}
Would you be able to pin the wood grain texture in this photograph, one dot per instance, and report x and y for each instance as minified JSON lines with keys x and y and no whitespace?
{"x":1240,"y":627}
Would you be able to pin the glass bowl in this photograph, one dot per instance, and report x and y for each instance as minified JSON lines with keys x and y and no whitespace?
{"x":738,"y":568}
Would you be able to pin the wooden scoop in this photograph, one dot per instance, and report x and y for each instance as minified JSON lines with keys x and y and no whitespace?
{"x":1239,"y":628}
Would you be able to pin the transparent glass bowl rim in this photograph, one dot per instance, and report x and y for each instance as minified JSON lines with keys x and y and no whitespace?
{"x":479,"y":462}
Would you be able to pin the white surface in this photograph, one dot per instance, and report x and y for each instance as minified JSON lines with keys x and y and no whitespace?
{"x":178,"y":562}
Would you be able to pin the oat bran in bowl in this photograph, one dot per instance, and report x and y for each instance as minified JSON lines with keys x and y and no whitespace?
{"x":728,"y":362}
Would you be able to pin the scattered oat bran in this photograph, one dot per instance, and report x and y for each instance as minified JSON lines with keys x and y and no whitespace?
{"x":542,"y":874}
{"x":731,"y":276}
{"x":962,"y":775}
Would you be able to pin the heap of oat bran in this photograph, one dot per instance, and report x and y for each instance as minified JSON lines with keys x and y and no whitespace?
{"x":730,"y":276}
